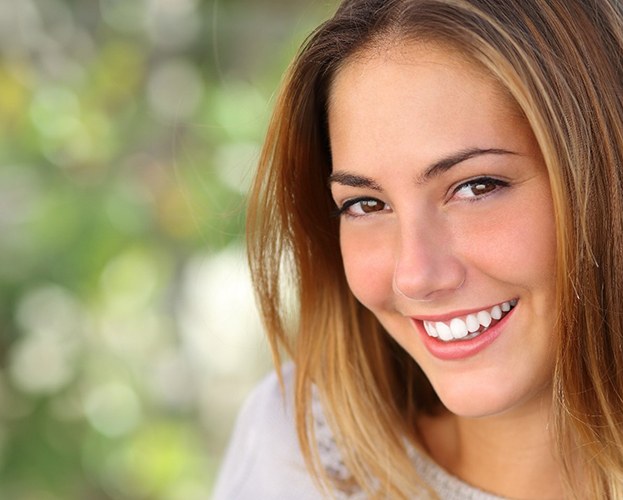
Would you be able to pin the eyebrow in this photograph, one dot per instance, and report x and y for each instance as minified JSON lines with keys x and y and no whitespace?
{"x":435,"y":170}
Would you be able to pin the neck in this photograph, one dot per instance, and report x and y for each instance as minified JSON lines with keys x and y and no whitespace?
{"x":511,"y":455}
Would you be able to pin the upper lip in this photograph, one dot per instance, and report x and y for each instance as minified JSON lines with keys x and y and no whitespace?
{"x":454,"y":314}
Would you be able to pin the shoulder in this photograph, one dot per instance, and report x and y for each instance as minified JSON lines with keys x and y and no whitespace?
{"x":263,"y":459}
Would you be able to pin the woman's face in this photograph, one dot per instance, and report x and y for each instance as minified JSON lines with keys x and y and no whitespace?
{"x":447,"y":227}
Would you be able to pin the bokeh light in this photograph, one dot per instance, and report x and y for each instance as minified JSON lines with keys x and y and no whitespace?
{"x":129,"y":132}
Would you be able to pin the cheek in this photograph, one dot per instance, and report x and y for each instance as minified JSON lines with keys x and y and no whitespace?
{"x":517,"y":246}
{"x":368,"y":264}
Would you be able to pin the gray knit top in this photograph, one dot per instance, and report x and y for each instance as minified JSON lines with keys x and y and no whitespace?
{"x":264,"y":461}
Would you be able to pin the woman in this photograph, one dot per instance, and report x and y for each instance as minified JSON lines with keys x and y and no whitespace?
{"x":441,"y":194}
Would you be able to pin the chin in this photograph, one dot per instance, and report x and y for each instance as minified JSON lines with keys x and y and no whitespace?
{"x":477,"y":402}
{"x":471,"y":406}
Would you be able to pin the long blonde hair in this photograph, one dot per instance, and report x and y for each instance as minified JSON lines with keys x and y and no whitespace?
{"x":561,"y":62}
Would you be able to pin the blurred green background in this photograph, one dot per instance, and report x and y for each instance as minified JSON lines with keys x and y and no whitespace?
{"x":129,"y":130}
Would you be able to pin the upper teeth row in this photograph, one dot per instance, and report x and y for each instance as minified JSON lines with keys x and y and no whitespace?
{"x":458,"y":328}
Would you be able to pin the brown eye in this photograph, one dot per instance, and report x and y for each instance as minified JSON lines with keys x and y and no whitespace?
{"x":369,"y":206}
{"x":477,"y":188}
{"x":359,"y":207}
{"x":481,"y":188}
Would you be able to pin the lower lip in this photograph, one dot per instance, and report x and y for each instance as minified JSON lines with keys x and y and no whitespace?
{"x":461,"y":349}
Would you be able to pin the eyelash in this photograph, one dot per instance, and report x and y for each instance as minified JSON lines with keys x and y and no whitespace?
{"x":486,"y":181}
{"x":343,"y":210}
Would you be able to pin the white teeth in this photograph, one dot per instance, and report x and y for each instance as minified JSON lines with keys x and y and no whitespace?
{"x":444,"y":331}
{"x":430,"y":329}
{"x":484,"y":318}
{"x":473,"y":325}
{"x":458,"y":328}
{"x":496,"y":312}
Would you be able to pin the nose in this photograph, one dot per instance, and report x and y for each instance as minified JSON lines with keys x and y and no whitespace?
{"x":427,"y":267}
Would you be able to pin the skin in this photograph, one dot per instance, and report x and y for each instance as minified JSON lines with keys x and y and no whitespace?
{"x":427,"y":243}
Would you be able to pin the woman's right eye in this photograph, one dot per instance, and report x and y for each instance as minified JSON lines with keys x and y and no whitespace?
{"x":358,"y":207}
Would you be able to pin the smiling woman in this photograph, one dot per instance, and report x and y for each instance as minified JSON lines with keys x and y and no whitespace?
{"x":450,"y":218}
{"x":436,"y":188}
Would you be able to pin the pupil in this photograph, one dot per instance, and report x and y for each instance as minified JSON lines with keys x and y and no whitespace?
{"x":370,"y":206}
{"x":482,"y":188}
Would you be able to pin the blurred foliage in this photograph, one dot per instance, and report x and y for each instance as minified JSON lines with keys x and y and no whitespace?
{"x":128,"y":133}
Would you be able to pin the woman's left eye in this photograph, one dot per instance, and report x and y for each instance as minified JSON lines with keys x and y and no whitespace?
{"x":477,"y":188}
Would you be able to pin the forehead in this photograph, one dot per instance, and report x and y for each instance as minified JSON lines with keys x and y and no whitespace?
{"x":416,"y":59}
{"x":441,"y":98}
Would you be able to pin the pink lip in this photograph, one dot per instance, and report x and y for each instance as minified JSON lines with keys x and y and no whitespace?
{"x":460,"y":349}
